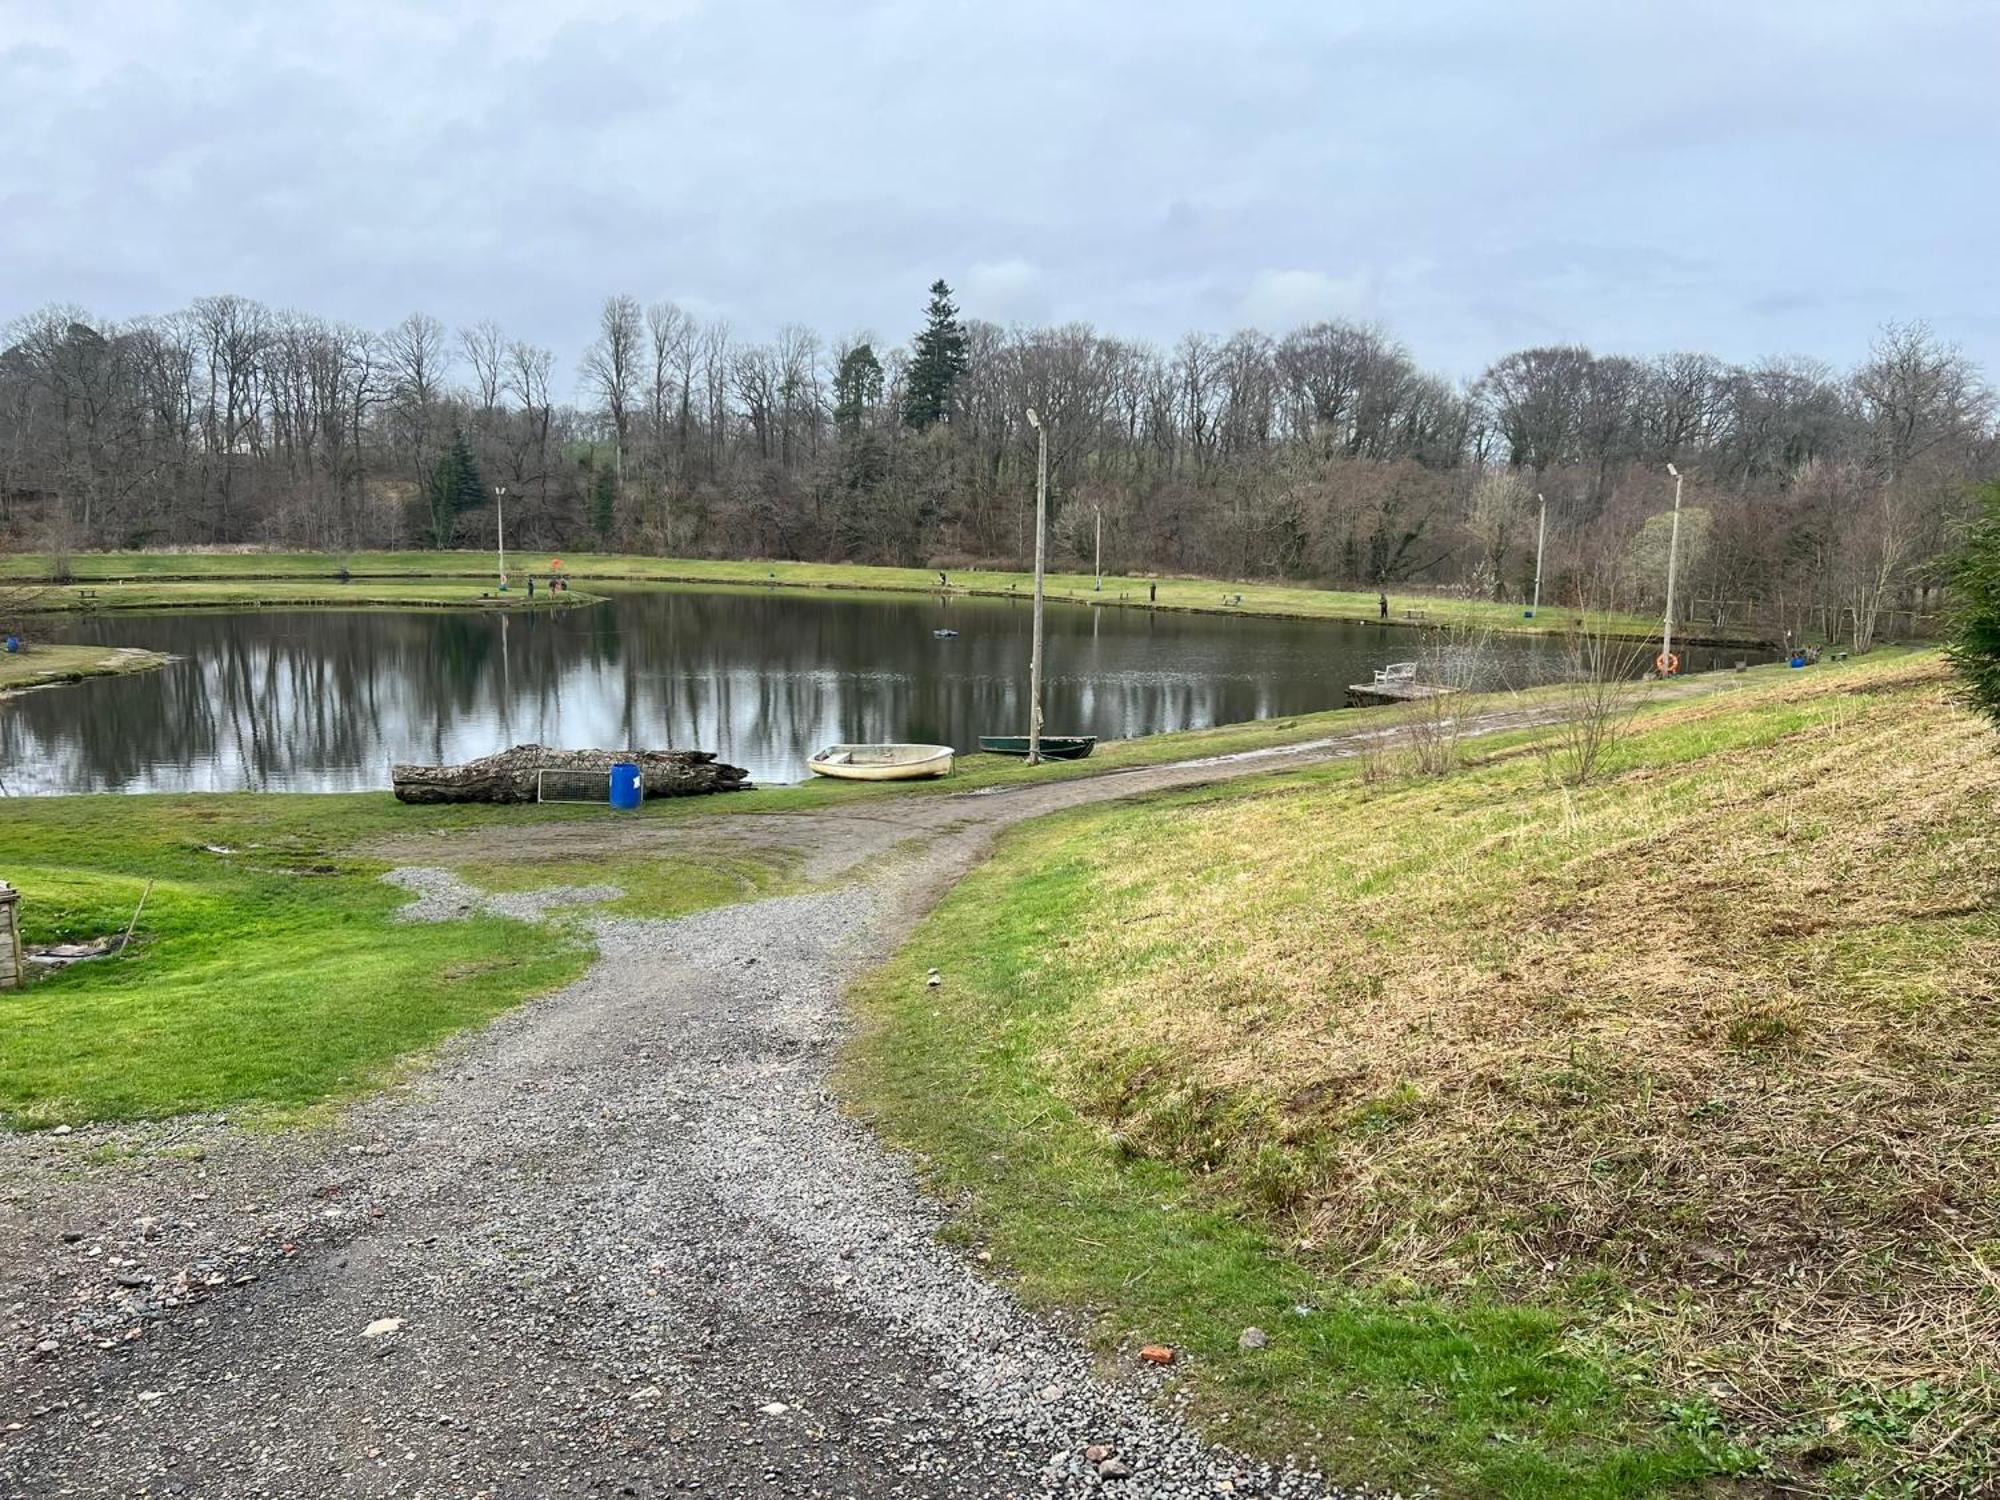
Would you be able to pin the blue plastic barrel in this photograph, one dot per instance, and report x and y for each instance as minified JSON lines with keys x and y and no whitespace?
{"x":625,"y":789}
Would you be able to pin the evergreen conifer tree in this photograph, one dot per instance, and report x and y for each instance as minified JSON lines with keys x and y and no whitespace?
{"x":1974,"y":645}
{"x":604,"y":503}
{"x":938,"y":359}
{"x":455,"y":487}
{"x":857,"y":387}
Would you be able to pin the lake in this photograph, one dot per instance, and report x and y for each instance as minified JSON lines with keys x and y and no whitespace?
{"x":322,"y":700}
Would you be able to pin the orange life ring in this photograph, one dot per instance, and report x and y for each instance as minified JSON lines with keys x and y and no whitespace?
{"x":1666,"y":664}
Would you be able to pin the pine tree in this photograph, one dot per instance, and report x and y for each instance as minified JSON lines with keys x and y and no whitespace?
{"x":455,"y":487}
{"x":857,"y":388}
{"x":939,"y":358}
{"x":604,"y":503}
{"x":1974,"y":645}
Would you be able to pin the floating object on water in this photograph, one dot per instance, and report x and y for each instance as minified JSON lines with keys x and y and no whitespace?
{"x":882,"y":762}
{"x":1054,"y":746}
{"x":945,"y":635}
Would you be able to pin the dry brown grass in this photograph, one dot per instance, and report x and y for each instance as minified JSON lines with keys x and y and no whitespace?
{"x":1714,"y":1041}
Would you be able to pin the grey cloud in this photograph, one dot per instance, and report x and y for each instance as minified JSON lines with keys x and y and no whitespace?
{"x":1739,"y":178}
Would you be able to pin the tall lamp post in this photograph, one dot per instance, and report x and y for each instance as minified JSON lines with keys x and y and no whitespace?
{"x":1541,"y":536}
{"x":1097,"y":514}
{"x":500,"y":530}
{"x":1666,"y":662}
{"x":1041,"y":528}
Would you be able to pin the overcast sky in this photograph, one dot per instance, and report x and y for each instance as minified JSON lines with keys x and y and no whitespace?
{"x":1640,"y":175}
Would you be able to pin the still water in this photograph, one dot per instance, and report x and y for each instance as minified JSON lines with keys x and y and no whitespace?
{"x":325,"y":701}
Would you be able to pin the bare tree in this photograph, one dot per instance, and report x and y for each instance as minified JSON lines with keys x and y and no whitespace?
{"x":529,"y":369}
{"x":1918,"y":395}
{"x":1496,"y":520}
{"x":1824,"y":500}
{"x":233,"y":334}
{"x":485,"y":349}
{"x":611,"y":369}
{"x":415,"y":360}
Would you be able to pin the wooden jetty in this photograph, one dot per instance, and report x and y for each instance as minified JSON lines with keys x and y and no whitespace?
{"x":1395,"y":683}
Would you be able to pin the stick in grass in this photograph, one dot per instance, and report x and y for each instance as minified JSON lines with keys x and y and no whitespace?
{"x":126,"y":940}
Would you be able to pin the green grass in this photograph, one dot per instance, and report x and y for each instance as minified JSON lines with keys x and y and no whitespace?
{"x":1488,"y":1072}
{"x":1300,"y":601}
{"x":290,"y":592}
{"x":270,"y":978}
{"x":213,"y":963}
{"x":1478,"y":1398}
{"x":37,"y":664}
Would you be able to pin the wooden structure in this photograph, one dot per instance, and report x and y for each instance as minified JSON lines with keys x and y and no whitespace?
{"x":1396,"y":683}
{"x":12,"y":968}
{"x":512,"y":775}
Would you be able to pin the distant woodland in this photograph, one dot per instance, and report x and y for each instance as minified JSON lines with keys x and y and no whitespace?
{"x":1816,"y":499}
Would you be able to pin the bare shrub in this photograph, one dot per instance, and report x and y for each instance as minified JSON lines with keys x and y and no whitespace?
{"x":1594,"y":703}
{"x":1379,"y":757}
{"x":1451,"y":662}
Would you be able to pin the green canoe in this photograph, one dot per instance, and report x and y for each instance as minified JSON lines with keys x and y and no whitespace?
{"x":1054,"y":746}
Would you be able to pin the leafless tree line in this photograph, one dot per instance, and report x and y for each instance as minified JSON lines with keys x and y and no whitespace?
{"x":1818,"y":499}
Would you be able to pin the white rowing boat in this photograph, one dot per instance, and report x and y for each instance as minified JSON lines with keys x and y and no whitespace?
{"x":882,"y":762}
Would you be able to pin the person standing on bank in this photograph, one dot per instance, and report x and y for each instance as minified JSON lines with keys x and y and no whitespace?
{"x":1382,"y":605}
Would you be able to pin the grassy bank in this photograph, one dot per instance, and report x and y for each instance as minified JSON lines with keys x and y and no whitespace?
{"x":209,"y":1010}
{"x":1613,"y":1137}
{"x":37,"y":664}
{"x":1298,"y":601}
{"x":267,"y":973}
{"x":289,"y":593}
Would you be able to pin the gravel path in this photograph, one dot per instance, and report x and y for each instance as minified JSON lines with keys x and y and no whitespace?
{"x":620,"y":1242}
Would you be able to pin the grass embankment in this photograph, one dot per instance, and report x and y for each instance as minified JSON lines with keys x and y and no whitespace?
{"x":37,"y":665}
{"x":267,"y":973}
{"x":271,"y":975}
{"x":1298,"y":601}
{"x":289,"y":593}
{"x":1615,"y":1137}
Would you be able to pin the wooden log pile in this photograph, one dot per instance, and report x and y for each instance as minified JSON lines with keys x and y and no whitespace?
{"x":511,"y":776}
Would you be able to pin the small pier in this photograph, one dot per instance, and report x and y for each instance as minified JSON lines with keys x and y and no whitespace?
{"x":1395,"y":683}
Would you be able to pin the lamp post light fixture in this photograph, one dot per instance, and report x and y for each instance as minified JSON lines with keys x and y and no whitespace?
{"x":1097,"y":561}
{"x":1666,"y":662}
{"x":1541,"y":536}
{"x":1041,"y":528}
